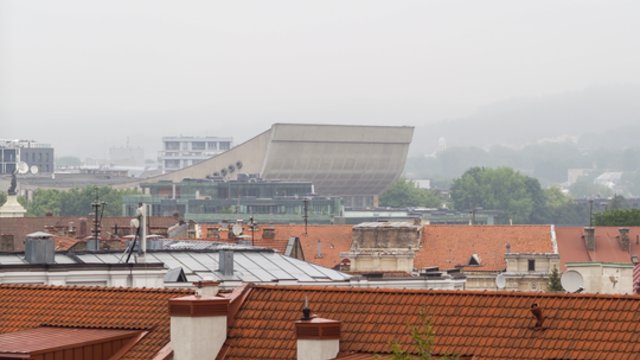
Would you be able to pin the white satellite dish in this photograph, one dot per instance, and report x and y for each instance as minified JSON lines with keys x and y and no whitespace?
{"x":571,"y":281}
{"x":236,"y":229}
{"x":501,"y":281}
{"x":34,"y":169}
{"x":23,"y":167}
{"x":134,"y":223}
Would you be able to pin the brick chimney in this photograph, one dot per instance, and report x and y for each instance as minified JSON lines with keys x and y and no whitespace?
{"x":317,"y":338}
{"x":590,"y":237}
{"x":623,"y":238}
{"x":199,"y":323}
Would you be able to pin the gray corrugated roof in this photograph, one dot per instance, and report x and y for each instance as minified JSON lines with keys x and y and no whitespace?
{"x":199,"y":261}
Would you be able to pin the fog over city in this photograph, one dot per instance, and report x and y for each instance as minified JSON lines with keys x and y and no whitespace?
{"x":86,"y":76}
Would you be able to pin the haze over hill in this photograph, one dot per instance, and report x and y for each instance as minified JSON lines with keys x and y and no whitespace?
{"x":597,"y":117}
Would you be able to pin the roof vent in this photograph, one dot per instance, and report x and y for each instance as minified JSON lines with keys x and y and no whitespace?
{"x":40,"y":248}
{"x":306,"y":311}
{"x":590,"y":238}
{"x":225,"y":262}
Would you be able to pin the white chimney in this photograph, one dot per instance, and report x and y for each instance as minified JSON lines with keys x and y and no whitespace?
{"x":198,"y":323}
{"x":317,"y":338}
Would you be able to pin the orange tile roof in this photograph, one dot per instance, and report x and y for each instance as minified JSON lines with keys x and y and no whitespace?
{"x":64,"y":243}
{"x":20,"y":227}
{"x":334,"y":239}
{"x":572,"y":248}
{"x":29,"y":306}
{"x":442,"y":245}
{"x":481,"y":325}
{"x":43,"y":339}
{"x":449,"y":245}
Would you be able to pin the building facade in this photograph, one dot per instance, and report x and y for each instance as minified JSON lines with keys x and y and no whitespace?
{"x":182,"y":151}
{"x":215,"y":199}
{"x":25,"y":156}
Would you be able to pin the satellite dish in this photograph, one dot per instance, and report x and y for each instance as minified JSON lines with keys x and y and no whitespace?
{"x":571,"y":281}
{"x":23,"y":167}
{"x":134,"y":223}
{"x":34,"y":169}
{"x":501,"y":281}
{"x":236,"y":229}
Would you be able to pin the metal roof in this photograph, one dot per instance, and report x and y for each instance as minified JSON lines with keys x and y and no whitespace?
{"x":200,"y":261}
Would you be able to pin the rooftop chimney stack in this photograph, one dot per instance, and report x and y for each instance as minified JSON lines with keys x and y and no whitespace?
{"x":623,"y":239}
{"x":225,"y":261}
{"x":40,"y":248}
{"x":317,"y":338}
{"x":198,"y":323}
{"x":590,"y":237}
{"x":83,"y":231}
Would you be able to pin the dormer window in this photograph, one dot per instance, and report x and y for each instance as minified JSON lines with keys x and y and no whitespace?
{"x":474,"y":260}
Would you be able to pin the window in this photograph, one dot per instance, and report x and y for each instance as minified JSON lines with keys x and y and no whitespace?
{"x":225,"y":145}
{"x":532,"y":265}
{"x":172,"y":145}
{"x":198,"y":145}
{"x":172,"y":164}
{"x":212,"y":145}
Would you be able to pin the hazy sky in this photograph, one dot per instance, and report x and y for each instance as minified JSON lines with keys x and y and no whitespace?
{"x":85,"y":75}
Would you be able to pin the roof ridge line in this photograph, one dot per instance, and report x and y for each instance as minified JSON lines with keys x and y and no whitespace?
{"x":524,"y":294}
{"x":97,"y":288}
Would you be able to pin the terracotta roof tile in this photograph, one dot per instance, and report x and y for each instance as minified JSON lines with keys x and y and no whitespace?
{"x":478,"y":325}
{"x":572,"y":248}
{"x":449,"y":245}
{"x":29,"y":306}
{"x":442,"y":245}
{"x":20,"y":227}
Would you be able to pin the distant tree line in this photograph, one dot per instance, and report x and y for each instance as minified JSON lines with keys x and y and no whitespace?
{"x":618,"y":217}
{"x":76,"y":201}
{"x":519,"y":198}
{"x":547,"y":162}
{"x":515,"y":197}
{"x":405,"y":193}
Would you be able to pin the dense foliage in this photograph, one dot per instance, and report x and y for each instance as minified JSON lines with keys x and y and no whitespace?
{"x":554,"y":284}
{"x":76,"y":202}
{"x":404,"y":193}
{"x":519,"y":198}
{"x":498,"y":189}
{"x":547,"y":162}
{"x":618,"y":217}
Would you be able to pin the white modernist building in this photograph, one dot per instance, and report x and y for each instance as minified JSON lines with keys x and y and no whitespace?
{"x":181,"y":151}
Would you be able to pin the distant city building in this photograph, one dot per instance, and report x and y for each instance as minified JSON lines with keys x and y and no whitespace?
{"x":357,"y":163}
{"x":181,"y":151}
{"x":215,"y":199}
{"x":26,"y":156}
{"x":126,"y":156}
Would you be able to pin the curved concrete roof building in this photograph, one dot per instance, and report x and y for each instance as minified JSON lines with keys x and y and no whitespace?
{"x":356,"y":162}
